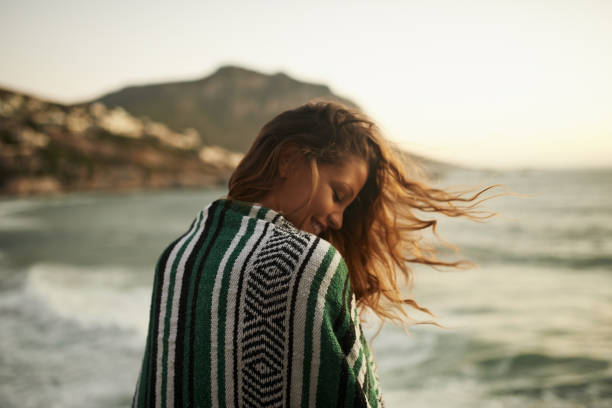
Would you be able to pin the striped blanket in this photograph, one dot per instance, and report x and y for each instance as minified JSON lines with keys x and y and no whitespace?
{"x":249,"y":311}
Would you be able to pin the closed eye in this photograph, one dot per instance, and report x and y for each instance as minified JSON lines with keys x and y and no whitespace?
{"x":336,"y":197}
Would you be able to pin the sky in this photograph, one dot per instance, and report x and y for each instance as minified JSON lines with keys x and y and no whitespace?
{"x":497,"y":84}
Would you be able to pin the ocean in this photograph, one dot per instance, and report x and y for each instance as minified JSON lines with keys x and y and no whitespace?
{"x":529,"y":326}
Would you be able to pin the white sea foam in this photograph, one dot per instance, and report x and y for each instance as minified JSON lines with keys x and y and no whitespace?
{"x":93,"y":296}
{"x":10,"y":218}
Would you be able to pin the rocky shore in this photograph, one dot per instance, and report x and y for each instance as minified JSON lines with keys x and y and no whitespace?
{"x":47,"y":147}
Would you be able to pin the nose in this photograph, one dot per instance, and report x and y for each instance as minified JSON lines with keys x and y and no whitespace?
{"x":335,"y":220}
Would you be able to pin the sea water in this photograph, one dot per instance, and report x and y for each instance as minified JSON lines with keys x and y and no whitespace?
{"x":529,"y":326}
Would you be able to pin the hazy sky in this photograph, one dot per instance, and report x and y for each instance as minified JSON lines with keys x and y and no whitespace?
{"x":485,"y":83}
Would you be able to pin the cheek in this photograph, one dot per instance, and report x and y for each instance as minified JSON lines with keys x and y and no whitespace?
{"x":296,"y":192}
{"x":323,"y":203}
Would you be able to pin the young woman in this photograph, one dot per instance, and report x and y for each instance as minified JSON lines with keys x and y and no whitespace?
{"x":257,"y":304}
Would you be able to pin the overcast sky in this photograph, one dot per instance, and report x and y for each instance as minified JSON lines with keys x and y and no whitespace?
{"x":485,"y":83}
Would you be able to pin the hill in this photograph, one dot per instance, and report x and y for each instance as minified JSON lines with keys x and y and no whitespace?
{"x":226,"y":108}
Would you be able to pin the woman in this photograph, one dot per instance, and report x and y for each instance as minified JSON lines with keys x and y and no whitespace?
{"x":257,"y":304}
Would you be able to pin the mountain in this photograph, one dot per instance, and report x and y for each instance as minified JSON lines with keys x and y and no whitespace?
{"x":226,"y":108}
{"x":47,"y":147}
{"x":184,"y":134}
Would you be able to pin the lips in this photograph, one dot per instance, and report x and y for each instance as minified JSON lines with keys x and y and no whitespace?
{"x":317,"y":227}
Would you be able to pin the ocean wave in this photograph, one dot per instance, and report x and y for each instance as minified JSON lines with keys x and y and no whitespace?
{"x":100,"y":296}
{"x":538,"y":365}
{"x":17,"y":214}
{"x":595,"y":392}
{"x":64,"y":360}
{"x":499,"y":256}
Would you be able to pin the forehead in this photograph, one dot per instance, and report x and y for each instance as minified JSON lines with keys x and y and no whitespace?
{"x":351,"y":169}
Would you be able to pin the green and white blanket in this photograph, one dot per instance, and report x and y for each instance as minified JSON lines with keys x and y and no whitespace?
{"x":249,"y":311}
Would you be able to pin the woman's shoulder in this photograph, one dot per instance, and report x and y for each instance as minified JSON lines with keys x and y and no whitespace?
{"x":324,"y":267}
{"x":275,"y":243}
{"x":270,"y":224}
{"x":319,"y":255}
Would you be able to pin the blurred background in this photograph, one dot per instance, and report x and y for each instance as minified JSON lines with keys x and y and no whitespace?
{"x":119,"y":121}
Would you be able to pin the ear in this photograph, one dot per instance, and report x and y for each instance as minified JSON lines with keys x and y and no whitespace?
{"x":290,"y":155}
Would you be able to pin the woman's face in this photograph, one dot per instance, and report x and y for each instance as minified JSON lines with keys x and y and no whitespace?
{"x":338,"y":186}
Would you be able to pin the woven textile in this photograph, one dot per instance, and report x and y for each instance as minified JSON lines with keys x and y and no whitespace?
{"x":249,"y":311}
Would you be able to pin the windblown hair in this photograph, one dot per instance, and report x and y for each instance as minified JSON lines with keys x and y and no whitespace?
{"x":380,"y":235}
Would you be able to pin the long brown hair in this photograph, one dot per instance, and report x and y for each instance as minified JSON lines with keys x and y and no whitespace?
{"x":380,"y":234}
